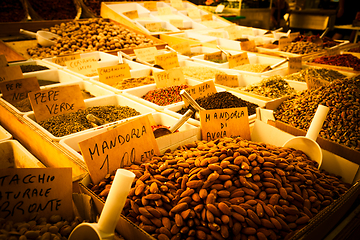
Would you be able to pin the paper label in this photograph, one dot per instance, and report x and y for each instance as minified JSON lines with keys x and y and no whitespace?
{"x":219,"y":8}
{"x":217,"y":34}
{"x":150,"y":5}
{"x":3,"y":61}
{"x":178,"y":23}
{"x":233,"y":32}
{"x":248,"y":46}
{"x":131,"y":14}
{"x":295,"y":64}
{"x":113,"y":74}
{"x":41,"y":191}
{"x":333,"y":51}
{"x":284,"y":42}
{"x":193,"y":13}
{"x":178,"y":4}
{"x":204,"y":89}
{"x":313,"y":83}
{"x":85,"y":66}
{"x":238,"y":59}
{"x":153,"y":27}
{"x":206,"y":17}
{"x":60,"y":60}
{"x":146,"y":54}
{"x":171,"y":77}
{"x":229,"y":122}
{"x":119,"y":147}
{"x":227,"y":80}
{"x":213,"y":56}
{"x":10,"y":73}
{"x":182,"y":47}
{"x":164,"y":11}
{"x":16,"y":90}
{"x":247,"y":31}
{"x":167,"y":61}
{"x":56,"y":101}
{"x":294,"y":35}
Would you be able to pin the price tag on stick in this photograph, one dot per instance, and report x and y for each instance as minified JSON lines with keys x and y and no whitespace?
{"x":16,"y":90}
{"x":152,"y":27}
{"x":150,"y":5}
{"x":194,"y":13}
{"x":60,"y":60}
{"x":229,"y":122}
{"x":182,"y":47}
{"x":227,"y":80}
{"x":201,"y":90}
{"x":238,"y":60}
{"x":121,"y":146}
{"x":113,"y":74}
{"x":164,"y":11}
{"x":248,"y":46}
{"x":167,"y":60}
{"x":146,"y":54}
{"x":171,"y":77}
{"x":131,"y":14}
{"x":283,"y":43}
{"x":314,"y":83}
{"x":295,"y":64}
{"x":85,"y":66}
{"x":10,"y":73}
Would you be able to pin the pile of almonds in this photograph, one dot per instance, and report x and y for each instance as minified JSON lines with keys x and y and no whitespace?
{"x":229,"y":188}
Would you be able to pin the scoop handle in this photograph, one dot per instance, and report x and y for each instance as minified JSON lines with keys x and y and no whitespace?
{"x":31,"y":34}
{"x":191,"y":101}
{"x":181,"y":121}
{"x":317,"y":122}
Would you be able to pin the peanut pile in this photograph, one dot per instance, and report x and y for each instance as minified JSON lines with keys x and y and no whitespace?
{"x":226,"y":189}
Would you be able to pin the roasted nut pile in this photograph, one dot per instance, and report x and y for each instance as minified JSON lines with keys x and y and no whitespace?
{"x":342,"y":124}
{"x":302,"y":48}
{"x":94,"y":34}
{"x":226,"y":189}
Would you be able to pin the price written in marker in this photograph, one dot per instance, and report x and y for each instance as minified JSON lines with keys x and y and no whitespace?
{"x":206,"y":17}
{"x":10,"y":73}
{"x":283,"y":43}
{"x":146,"y":54}
{"x":333,"y":51}
{"x":294,"y":35}
{"x":113,"y":74}
{"x":44,"y":191}
{"x":227,"y":80}
{"x":201,"y":90}
{"x":152,"y":6}
{"x":230,"y":122}
{"x":131,"y":14}
{"x":178,"y":4}
{"x":16,"y":90}
{"x":314,"y":83}
{"x":60,"y":60}
{"x":171,"y":77}
{"x":213,"y":56}
{"x":55,"y":101}
{"x":178,"y":23}
{"x":238,"y":60}
{"x":153,"y":27}
{"x":84,"y":66}
{"x":233,"y":32}
{"x":295,"y":64}
{"x":121,"y":146}
{"x":182,"y":47}
{"x":248,"y":46}
{"x":164,"y":11}
{"x":194,"y":13}
{"x":167,"y":61}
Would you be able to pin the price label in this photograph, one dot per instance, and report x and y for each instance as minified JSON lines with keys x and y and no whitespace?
{"x":44,"y":191}
{"x":56,"y":101}
{"x":113,"y":74}
{"x":314,"y":83}
{"x":233,"y":32}
{"x":204,"y":89}
{"x":295,"y":64}
{"x":283,"y":43}
{"x":178,"y":23}
{"x":3,"y":61}
{"x":171,"y":77}
{"x":206,"y":17}
{"x":16,"y":90}
{"x":10,"y":73}
{"x":131,"y":14}
{"x":219,"y":8}
{"x":227,"y":80}
{"x":167,"y":60}
{"x":238,"y":59}
{"x":247,"y":31}
{"x":248,"y":46}
{"x":213,"y":56}
{"x":294,"y":35}
{"x":333,"y":51}
{"x":217,"y":34}
{"x":178,"y":4}
{"x":119,"y":147}
{"x":182,"y":47}
{"x":194,"y":13}
{"x":229,"y":122}
{"x":164,"y":11}
{"x":84,"y":66}
{"x":60,"y":60}
{"x":153,"y":27}
{"x":152,"y":6}
{"x":146,"y":54}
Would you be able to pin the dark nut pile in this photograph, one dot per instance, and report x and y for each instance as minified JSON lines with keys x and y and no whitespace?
{"x":32,"y":68}
{"x":302,"y":48}
{"x":226,"y":189}
{"x":94,"y":34}
{"x":12,"y":11}
{"x":342,"y":124}
{"x":54,"y":9}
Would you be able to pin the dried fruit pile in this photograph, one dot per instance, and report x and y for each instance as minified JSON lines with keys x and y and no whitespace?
{"x":226,"y":189}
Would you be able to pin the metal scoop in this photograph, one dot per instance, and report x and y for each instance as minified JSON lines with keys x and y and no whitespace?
{"x":110,"y":214}
{"x":308,"y":143}
{"x":135,"y":59}
{"x":162,"y":131}
{"x":192,"y":102}
{"x":95,"y":121}
{"x":224,"y":51}
{"x":268,"y":68}
{"x":44,"y":38}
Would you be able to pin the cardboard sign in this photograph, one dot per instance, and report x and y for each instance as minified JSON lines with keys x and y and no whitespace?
{"x":217,"y":34}
{"x":3,"y":61}
{"x":227,"y":80}
{"x":171,"y":77}
{"x":119,"y":147}
{"x":182,"y":47}
{"x":219,"y":8}
{"x":230,"y":122}
{"x":178,"y":4}
{"x":84,"y":66}
{"x":333,"y":51}
{"x":206,"y":17}
{"x":284,"y":42}
{"x":193,"y":13}
{"x":294,"y":35}
{"x":16,"y":90}
{"x":152,"y":6}
{"x":213,"y":56}
{"x":178,"y":23}
{"x":146,"y":54}
{"x":60,"y":60}
{"x":10,"y":73}
{"x":201,"y":90}
{"x":248,"y":46}
{"x":233,"y":32}
{"x":164,"y":11}
{"x":167,"y":60}
{"x":313,"y":83}
{"x":247,"y":31}
{"x":295,"y":64}
{"x":131,"y":14}
{"x":41,"y":191}
{"x":56,"y":101}
{"x":153,"y":27}
{"x":238,"y":60}
{"x":113,"y":74}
